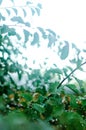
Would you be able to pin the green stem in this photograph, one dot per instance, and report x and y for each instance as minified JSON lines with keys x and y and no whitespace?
{"x":70,"y":74}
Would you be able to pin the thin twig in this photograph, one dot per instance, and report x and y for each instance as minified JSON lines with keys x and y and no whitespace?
{"x":70,"y":74}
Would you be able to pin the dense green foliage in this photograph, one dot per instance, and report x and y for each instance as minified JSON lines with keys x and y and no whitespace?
{"x":45,"y":98}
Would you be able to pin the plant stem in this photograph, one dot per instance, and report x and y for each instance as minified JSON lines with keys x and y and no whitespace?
{"x":70,"y":74}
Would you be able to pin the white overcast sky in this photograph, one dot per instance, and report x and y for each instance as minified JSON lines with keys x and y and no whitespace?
{"x":66,"y":17}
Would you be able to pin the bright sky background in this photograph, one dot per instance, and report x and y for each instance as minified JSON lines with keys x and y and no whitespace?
{"x":66,"y":17}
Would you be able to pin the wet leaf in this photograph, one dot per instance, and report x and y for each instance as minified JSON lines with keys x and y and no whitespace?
{"x":73,"y":88}
{"x":33,"y":11}
{"x":39,"y":5}
{"x":27,"y":24}
{"x":38,"y":11}
{"x":26,"y":34}
{"x":25,"y":14}
{"x":43,"y":32}
{"x":65,"y":51}
{"x":1,"y":2}
{"x":28,"y":2}
{"x":35,"y":39}
{"x":2,"y":17}
{"x":8,"y":11}
{"x":15,"y":11}
{"x":17,"y":19}
{"x":12,"y":32}
{"x":38,"y":107}
{"x":4,"y":29}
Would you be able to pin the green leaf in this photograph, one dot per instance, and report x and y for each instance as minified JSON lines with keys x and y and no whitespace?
{"x":2,"y":106}
{"x":4,"y":29}
{"x":73,"y":88}
{"x":79,"y":62}
{"x":76,"y":48}
{"x":25,"y":66}
{"x":72,"y":120}
{"x":27,"y":96}
{"x":18,"y":36}
{"x":51,"y":32}
{"x":54,"y":65}
{"x":48,"y":110}
{"x":38,"y":107}
{"x":42,"y":89}
{"x":35,"y":39}
{"x":19,"y":72}
{"x":80,"y":83}
{"x":58,"y":71}
{"x":43,"y":32}
{"x":73,"y":101}
{"x":15,"y":11}
{"x":53,"y":87}
{"x":12,"y":68}
{"x":0,"y":39}
{"x":65,"y":70}
{"x":17,"y":19}
{"x":0,"y":2}
{"x":65,"y":51}
{"x":2,"y":17}
{"x":57,"y":110}
{"x":25,"y":14}
{"x":16,"y":51}
{"x":84,"y":50}
{"x":12,"y":1}
{"x":27,"y":24}
{"x":39,"y":5}
{"x":38,"y":11}
{"x":12,"y":32}
{"x":33,"y":11}
{"x":28,"y":2}
{"x":73,"y":61}
{"x":7,"y":51}
{"x":2,"y":73}
{"x":8,"y":11}
{"x":51,"y":39}
{"x":70,"y":68}
{"x":26,"y":34}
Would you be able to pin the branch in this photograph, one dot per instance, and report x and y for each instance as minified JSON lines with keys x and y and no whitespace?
{"x":70,"y":74}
